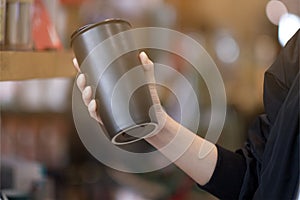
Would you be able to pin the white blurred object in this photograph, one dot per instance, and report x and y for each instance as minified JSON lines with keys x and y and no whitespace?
{"x":56,"y":94}
{"x":36,"y":95}
{"x":46,"y":94}
{"x":274,"y":10}
{"x":133,"y":7}
{"x":287,"y":27}
{"x":163,"y":15}
{"x":8,"y":90}
{"x":127,"y":194}
{"x":227,"y":48}
{"x":31,"y":95}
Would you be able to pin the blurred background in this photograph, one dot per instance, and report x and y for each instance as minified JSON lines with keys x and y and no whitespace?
{"x":42,"y":156}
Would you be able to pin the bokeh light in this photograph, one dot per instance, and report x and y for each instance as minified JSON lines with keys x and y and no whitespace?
{"x":227,"y":48}
{"x":287,"y":27}
{"x":274,"y":10}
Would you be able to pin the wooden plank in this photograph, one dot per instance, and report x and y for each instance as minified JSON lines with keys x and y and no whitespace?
{"x":22,"y":65}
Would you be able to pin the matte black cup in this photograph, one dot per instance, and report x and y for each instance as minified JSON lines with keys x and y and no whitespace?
{"x":120,"y":129}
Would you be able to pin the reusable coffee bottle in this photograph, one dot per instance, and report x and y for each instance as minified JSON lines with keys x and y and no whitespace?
{"x":132,"y":121}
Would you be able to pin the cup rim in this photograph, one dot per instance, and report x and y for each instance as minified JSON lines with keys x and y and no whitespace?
{"x":87,"y":27}
{"x":114,"y":139}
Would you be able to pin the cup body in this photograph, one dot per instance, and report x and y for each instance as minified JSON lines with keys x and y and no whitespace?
{"x":121,"y":128}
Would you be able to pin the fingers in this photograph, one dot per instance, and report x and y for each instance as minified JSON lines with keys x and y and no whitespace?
{"x":91,"y":103}
{"x":87,"y":98}
{"x":85,"y":90}
{"x":87,"y":95}
{"x":149,"y":73}
{"x":76,"y":65}
{"x":81,"y":82}
{"x":92,"y":107}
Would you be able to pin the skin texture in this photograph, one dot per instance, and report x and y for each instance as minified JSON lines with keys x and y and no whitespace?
{"x":199,"y":169}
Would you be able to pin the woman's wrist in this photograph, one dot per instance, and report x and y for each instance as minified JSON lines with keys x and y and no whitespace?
{"x":165,"y":133}
{"x":193,"y":154}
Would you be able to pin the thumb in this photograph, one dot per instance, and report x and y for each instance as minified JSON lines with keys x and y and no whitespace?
{"x":148,"y":67}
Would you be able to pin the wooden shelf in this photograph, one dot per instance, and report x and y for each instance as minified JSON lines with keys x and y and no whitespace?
{"x":22,"y":65}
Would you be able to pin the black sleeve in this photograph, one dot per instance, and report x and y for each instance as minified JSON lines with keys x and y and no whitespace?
{"x":236,"y":173}
{"x":268,"y":166}
{"x":228,"y":175}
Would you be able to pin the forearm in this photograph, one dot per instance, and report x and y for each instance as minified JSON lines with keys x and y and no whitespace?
{"x":198,"y":168}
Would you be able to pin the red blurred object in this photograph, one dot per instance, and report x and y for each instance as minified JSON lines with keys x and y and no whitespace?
{"x":43,"y":30}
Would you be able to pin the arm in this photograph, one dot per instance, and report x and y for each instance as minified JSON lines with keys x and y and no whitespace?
{"x":203,"y":169}
{"x":200,"y":170}
{"x":229,"y":175}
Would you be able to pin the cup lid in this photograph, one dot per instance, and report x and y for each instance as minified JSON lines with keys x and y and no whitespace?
{"x":90,"y":26}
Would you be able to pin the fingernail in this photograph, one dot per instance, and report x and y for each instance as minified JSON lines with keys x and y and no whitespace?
{"x":80,"y":82}
{"x":87,"y":91}
{"x":143,"y":57}
{"x":80,"y":78}
{"x":143,"y":54}
{"x":92,"y":106}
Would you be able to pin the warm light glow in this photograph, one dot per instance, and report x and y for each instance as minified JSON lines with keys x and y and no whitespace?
{"x":288,"y":26}
{"x":265,"y":50}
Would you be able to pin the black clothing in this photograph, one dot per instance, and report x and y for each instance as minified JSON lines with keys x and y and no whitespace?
{"x":268,"y":166}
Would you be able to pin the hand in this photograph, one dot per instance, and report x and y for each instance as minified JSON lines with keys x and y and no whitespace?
{"x":148,"y":67}
{"x":87,"y":94}
{"x":200,"y":169}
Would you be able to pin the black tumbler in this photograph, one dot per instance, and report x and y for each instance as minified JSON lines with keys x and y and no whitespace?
{"x":119,"y":128}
